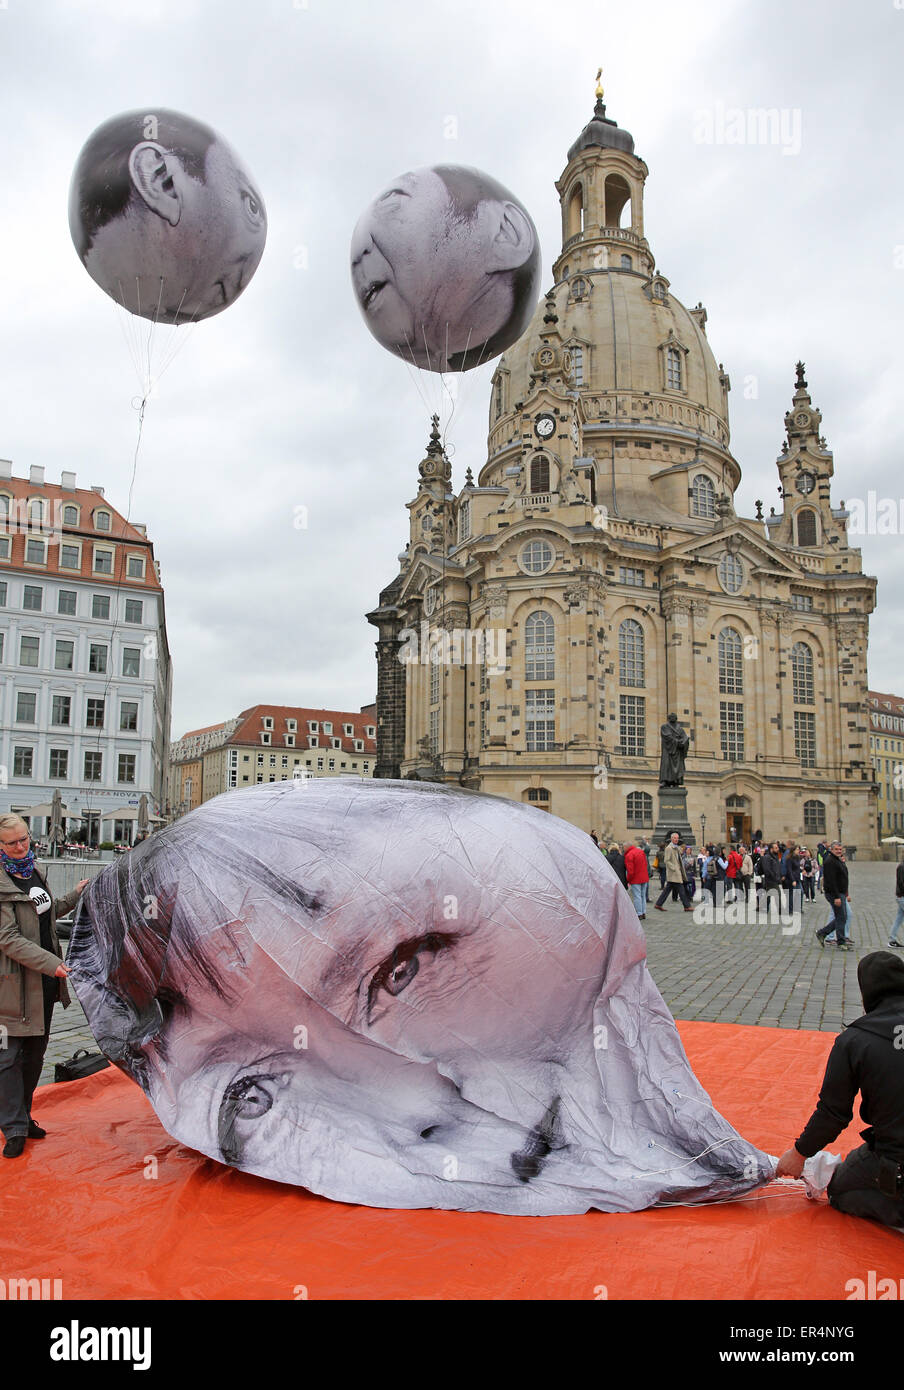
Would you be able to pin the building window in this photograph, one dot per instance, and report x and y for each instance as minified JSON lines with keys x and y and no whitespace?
{"x":630,"y":653}
{"x":359,"y":745}
{"x":23,"y":761}
{"x":313,"y":740}
{"x":266,"y":739}
{"x":703,"y":497}
{"x":814,"y":818}
{"x":102,"y":521}
{"x":802,"y":674}
{"x":134,"y":610}
{"x":348,"y":730}
{"x":538,"y":796}
{"x":128,"y":716}
{"x":632,"y":725}
{"x":26,"y":707}
{"x":28,"y":651}
{"x":126,"y":768}
{"x":2,"y":593}
{"x":35,"y":552}
{"x":66,"y":602}
{"x":464,"y":520}
{"x":540,"y":709}
{"x":640,"y":810}
{"x":70,"y":515}
{"x":313,"y":725}
{"x":131,"y":661}
{"x":803,"y":603}
{"x":285,"y":760}
{"x":4,"y":547}
{"x":805,"y":737}
{"x":97,"y":658}
{"x":32,"y":597}
{"x":536,"y":557}
{"x":371,"y":731}
{"x":539,"y":474}
{"x":94,"y":714}
{"x":577,"y":365}
{"x":806,"y":527}
{"x":627,"y":575}
{"x":103,"y":561}
{"x":59,"y":763}
{"x":70,"y":557}
{"x":327,"y":726}
{"x":498,"y":405}
{"x":731,"y":573}
{"x":673,"y":369}
{"x":319,"y":764}
{"x":290,"y":740}
{"x":260,"y":759}
{"x":731,"y":662}
{"x":484,"y":716}
{"x":61,"y":709}
{"x":273,"y":760}
{"x":267,"y":721}
{"x":627,"y":264}
{"x":100,"y":606}
{"x":63,"y":656}
{"x":292,"y":725}
{"x":135,"y":567}
{"x":94,"y":767}
{"x":731,"y":731}
{"x":539,"y":648}
{"x":434,"y":675}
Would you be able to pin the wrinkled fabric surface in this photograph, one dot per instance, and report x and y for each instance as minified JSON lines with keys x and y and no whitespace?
{"x":402,"y":995}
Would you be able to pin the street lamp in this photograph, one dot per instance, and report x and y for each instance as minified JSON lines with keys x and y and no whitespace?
{"x":703,"y":830}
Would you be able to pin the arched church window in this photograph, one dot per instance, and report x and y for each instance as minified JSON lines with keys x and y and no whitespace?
{"x":540,"y":647}
{"x":802,"y":673}
{"x":627,"y":263}
{"x":630,"y":653}
{"x":673,"y":369}
{"x":576,"y":211}
{"x":577,"y":365}
{"x":814,"y":818}
{"x":731,"y":662}
{"x":498,"y":405}
{"x":806,"y":527}
{"x":703,"y":496}
{"x":618,"y":200}
{"x":464,"y":520}
{"x":539,"y":474}
{"x":640,"y":810}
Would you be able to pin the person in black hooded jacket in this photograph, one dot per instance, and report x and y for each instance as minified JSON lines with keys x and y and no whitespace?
{"x":867,"y":1057}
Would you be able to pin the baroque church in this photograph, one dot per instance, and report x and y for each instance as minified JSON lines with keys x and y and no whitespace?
{"x":548,"y":617}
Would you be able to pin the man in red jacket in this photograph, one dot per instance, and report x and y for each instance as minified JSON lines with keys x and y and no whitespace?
{"x":638,"y":875}
{"x":735,"y":861}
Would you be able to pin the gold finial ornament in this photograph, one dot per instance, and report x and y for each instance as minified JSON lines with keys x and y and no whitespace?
{"x":599,"y":86}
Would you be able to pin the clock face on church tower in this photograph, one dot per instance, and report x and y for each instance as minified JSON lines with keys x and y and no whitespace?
{"x":805,"y":483}
{"x":545,"y":426}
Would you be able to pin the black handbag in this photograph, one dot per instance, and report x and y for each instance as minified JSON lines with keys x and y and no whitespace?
{"x":82,"y":1063}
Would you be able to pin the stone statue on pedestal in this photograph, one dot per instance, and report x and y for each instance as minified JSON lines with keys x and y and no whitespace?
{"x":675,"y":744}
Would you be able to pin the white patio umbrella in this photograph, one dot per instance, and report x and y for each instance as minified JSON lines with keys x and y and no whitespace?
{"x":892,"y":840}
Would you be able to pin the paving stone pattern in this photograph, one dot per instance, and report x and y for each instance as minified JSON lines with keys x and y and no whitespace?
{"x":728,"y":974}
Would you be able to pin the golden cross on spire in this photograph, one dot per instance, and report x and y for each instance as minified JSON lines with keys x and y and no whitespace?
{"x":599,"y":86}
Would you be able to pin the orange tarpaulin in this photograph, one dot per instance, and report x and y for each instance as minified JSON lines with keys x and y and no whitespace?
{"x":115,"y":1208}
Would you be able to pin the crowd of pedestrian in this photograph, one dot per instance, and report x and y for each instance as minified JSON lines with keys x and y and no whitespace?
{"x":787,"y":875}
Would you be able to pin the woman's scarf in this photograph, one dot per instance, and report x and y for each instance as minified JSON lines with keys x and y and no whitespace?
{"x":21,"y":868}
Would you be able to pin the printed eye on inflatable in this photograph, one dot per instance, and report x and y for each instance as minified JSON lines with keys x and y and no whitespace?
{"x":165,"y":217}
{"x":446,"y":267}
{"x":404,"y":995}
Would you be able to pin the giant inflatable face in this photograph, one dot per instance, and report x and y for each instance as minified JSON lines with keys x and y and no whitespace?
{"x":446,"y":267}
{"x":165,"y":217}
{"x":403,"y":995}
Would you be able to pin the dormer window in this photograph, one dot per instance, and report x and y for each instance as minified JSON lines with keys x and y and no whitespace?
{"x":267,"y":722}
{"x":348,"y":730}
{"x":103,"y":521}
{"x":292,"y":725}
{"x":70,"y":515}
{"x":371,"y":731}
{"x":313,"y":726}
{"x":673,"y":369}
{"x":337,"y":742}
{"x":290,"y":740}
{"x":313,"y":740}
{"x":703,"y":497}
{"x":327,"y":727}
{"x":265,"y":739}
{"x":359,"y":745}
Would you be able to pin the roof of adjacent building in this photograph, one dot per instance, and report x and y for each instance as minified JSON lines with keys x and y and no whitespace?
{"x":895,"y":703}
{"x":250,"y":726}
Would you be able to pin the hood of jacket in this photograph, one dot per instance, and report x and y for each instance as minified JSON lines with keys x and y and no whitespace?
{"x":880,"y":976}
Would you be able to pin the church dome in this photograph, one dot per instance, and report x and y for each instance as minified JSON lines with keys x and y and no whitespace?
{"x":602,"y":132}
{"x":637,"y":340}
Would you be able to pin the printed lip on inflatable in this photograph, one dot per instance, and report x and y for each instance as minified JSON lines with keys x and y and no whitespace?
{"x":446,"y":267}
{"x":404,"y":995}
{"x":165,"y":217}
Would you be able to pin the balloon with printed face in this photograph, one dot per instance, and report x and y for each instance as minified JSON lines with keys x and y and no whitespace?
{"x":404,"y":995}
{"x":165,"y":217}
{"x":446,"y":267}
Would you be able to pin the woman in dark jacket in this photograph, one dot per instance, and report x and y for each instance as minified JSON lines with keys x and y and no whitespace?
{"x":32,"y":979}
{"x":617,"y":860}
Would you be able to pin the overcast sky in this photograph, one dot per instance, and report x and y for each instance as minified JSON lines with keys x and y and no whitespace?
{"x":285,"y":401}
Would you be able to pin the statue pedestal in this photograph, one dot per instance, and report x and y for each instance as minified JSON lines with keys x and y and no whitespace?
{"x":673,"y":815}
